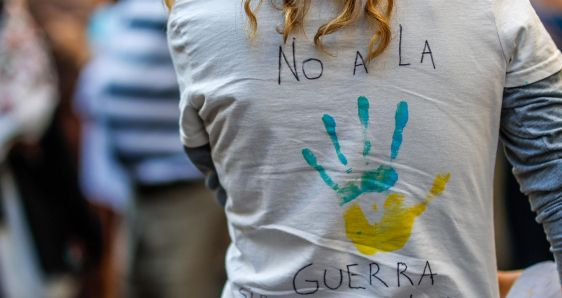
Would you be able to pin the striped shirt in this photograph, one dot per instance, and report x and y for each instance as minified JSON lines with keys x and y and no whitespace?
{"x":133,"y":92}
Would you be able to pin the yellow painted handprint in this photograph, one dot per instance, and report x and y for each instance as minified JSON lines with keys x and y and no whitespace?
{"x":395,"y":227}
{"x":393,"y":230}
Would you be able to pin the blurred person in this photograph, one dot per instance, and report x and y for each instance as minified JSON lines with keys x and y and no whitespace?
{"x":307,"y":138}
{"x":64,"y":24}
{"x":132,"y":162}
{"x":47,"y":231}
{"x":26,"y":92}
{"x":550,"y":12}
{"x":27,"y":83}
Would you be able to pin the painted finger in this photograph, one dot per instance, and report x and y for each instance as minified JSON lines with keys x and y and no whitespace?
{"x":363,"y":112}
{"x":330,"y":125}
{"x":401,"y":119}
{"x":313,"y":163}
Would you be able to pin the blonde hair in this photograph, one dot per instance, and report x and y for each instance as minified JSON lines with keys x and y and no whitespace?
{"x":169,"y":3}
{"x":294,"y":12}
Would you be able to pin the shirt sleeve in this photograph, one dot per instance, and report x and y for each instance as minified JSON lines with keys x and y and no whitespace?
{"x":531,"y":131}
{"x":201,"y":158}
{"x":192,"y":128}
{"x":529,"y":51}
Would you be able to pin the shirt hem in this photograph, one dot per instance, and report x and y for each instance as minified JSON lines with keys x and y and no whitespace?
{"x":535,"y":73}
{"x":194,"y":141}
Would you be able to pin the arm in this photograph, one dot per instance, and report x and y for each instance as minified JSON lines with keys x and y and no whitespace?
{"x":201,"y":158}
{"x":506,"y":279}
{"x":531,"y":130}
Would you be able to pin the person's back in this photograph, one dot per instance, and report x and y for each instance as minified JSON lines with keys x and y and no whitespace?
{"x":350,"y":179}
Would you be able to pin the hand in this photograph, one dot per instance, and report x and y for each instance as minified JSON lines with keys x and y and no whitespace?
{"x":393,"y":230}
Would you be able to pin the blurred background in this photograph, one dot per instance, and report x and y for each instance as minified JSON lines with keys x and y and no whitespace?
{"x":97,"y":198}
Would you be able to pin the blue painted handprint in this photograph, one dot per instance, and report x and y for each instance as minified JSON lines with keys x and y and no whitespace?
{"x":376,"y":180}
{"x":395,"y":226}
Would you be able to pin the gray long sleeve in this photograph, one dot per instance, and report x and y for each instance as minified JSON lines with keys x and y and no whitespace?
{"x":201,"y":158}
{"x":531,"y":130}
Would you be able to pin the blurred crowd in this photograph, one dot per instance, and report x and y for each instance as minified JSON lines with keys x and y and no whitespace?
{"x":97,"y":198}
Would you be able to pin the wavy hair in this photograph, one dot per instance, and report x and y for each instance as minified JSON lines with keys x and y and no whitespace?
{"x":169,"y":3}
{"x":378,"y":12}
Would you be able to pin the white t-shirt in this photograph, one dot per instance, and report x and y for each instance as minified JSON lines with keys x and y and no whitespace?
{"x":353,"y":180}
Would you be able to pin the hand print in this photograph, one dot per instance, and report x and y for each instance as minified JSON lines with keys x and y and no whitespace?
{"x":393,"y":230}
{"x":376,"y":180}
